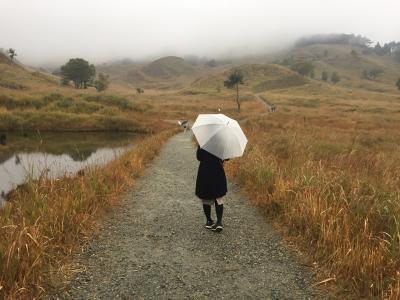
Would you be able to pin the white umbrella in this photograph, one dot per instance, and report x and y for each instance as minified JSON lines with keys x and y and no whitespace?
{"x":219,"y":135}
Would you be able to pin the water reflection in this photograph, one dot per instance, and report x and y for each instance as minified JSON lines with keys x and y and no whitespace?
{"x":56,"y":155}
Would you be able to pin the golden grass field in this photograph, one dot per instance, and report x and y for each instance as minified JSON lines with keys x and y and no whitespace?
{"x":325,"y":167}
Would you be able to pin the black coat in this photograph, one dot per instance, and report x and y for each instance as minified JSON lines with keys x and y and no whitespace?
{"x":211,"y":179}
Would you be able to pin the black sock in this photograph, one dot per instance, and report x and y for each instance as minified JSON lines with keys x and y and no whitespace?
{"x":219,"y":209}
{"x":207,"y":211}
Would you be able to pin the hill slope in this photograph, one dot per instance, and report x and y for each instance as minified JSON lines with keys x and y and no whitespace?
{"x":166,"y":71}
{"x":14,"y":76}
{"x":257,"y":77}
{"x":167,"y":67}
{"x":349,"y":62}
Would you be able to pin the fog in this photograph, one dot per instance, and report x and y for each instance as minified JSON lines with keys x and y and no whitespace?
{"x":46,"y":31}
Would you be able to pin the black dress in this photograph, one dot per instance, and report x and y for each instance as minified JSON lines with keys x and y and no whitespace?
{"x":211,"y":179}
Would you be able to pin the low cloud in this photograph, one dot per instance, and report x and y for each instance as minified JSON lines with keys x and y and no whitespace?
{"x":45,"y":31}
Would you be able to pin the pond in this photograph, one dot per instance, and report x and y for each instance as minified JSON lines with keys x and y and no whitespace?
{"x":56,"y":154}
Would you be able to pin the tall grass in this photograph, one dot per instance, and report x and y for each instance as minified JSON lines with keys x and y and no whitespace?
{"x":56,"y":111}
{"x":47,"y":219}
{"x":338,"y":198}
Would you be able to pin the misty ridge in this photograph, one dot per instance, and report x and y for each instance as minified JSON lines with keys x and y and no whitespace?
{"x":366,"y":44}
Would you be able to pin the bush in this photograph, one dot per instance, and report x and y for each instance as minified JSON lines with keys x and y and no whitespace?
{"x":305,"y":68}
{"x":324,"y":76}
{"x":335,"y":78}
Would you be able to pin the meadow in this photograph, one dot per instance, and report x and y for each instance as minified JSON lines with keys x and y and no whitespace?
{"x":324,"y":168}
{"x":45,"y":220}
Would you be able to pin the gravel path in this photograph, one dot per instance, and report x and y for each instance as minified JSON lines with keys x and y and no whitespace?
{"x":155,"y":245}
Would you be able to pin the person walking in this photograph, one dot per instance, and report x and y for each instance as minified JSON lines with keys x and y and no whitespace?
{"x":211,"y":187}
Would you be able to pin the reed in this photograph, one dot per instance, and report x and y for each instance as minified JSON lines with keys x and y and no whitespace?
{"x":47,"y":220}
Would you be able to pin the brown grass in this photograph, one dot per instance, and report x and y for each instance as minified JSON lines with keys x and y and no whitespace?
{"x":48,"y":219}
{"x":330,"y":178}
{"x":325,"y":167}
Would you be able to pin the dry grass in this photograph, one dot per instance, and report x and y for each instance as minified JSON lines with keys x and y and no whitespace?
{"x":48,"y":219}
{"x":325,"y":167}
{"x":329,"y":175}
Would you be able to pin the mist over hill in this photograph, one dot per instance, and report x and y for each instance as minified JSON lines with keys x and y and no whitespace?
{"x":352,"y":56}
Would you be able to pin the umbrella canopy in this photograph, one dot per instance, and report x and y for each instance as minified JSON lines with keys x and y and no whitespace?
{"x":219,"y":135}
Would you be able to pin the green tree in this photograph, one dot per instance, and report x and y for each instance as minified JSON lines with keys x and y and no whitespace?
{"x":234,"y":79}
{"x":102,"y":82}
{"x":79,"y":71}
{"x":371,"y":74}
{"x":12,"y":53}
{"x":398,"y":83}
{"x":354,"y":53}
{"x":375,"y":73}
{"x":305,"y":68}
{"x":324,"y":76}
{"x":335,"y":78}
{"x":139,"y":91}
{"x":364,"y":74}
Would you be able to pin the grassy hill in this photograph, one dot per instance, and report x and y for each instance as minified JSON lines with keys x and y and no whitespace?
{"x":349,"y":62}
{"x":15,"y":76}
{"x":32,"y":100}
{"x":325,"y":165}
{"x":167,"y":67}
{"x":166,"y":72}
{"x":257,"y":78}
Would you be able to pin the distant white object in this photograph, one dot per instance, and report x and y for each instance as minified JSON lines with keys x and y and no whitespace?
{"x":219,"y":109}
{"x":219,"y":135}
{"x":184,"y":124}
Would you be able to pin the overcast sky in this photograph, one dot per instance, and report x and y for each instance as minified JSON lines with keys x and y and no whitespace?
{"x":97,"y":30}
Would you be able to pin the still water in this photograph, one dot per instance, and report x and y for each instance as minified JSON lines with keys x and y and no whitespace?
{"x":56,"y":155}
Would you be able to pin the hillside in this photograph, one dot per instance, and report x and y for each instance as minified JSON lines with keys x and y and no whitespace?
{"x":16,"y":77}
{"x":167,"y":67}
{"x":168,"y":71}
{"x":349,"y":62}
{"x":258,"y":78}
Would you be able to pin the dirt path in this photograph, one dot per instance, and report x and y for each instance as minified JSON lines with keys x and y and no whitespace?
{"x":268,"y":105}
{"x":155,"y":245}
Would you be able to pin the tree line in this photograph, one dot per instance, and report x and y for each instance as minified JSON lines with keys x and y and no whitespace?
{"x":392,"y":48}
